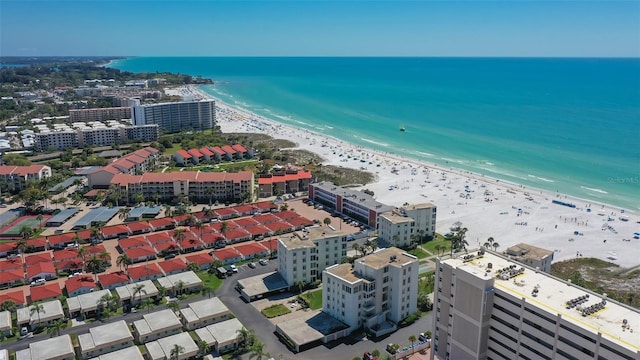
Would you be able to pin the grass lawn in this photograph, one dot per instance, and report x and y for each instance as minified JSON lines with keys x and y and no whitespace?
{"x":314,"y":298}
{"x":438,"y":241}
{"x":419,"y":253}
{"x":210,"y":280}
{"x":172,"y":150}
{"x":424,"y":285}
{"x":275,"y":310}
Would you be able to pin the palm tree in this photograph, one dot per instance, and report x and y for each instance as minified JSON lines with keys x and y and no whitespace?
{"x":203,"y":347}
{"x":209,"y":191}
{"x":191,"y":220}
{"x":26,"y":232}
{"x":36,"y":308}
{"x":179,"y":287}
{"x":327,"y":221}
{"x":124,"y":261}
{"x":438,"y":247}
{"x":413,"y":339}
{"x":199,"y":226}
{"x":173,"y":305}
{"x":94,"y":265}
{"x":105,"y":257}
{"x":21,"y":246}
{"x":138,"y":289}
{"x":176,"y":351}
{"x":82,"y":252}
{"x":193,"y":267}
{"x":208,"y":213}
{"x":208,"y":290}
{"x":458,"y":241}
{"x":8,"y":305}
{"x":123,"y":213}
{"x":39,"y":218}
{"x":108,"y":301}
{"x":245,"y":337}
{"x":495,"y":246}
{"x":167,"y":211}
{"x":115,"y":193}
{"x":300,"y":284}
{"x":179,"y":235}
{"x":356,"y":247}
{"x":147,"y":303}
{"x":56,"y":326}
{"x":224,"y":227}
{"x":257,"y":351}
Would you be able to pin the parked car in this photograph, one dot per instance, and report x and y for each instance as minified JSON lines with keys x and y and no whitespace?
{"x":252,"y":265}
{"x":24,"y":331}
{"x":38,"y":282}
{"x":423,"y":337}
{"x":233,"y":268}
{"x":263,"y":261}
{"x":170,"y":256}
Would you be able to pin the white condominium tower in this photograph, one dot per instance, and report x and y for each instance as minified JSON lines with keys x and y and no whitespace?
{"x":490,"y":307}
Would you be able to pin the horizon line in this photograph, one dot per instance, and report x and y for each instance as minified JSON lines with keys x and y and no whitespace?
{"x":324,"y":56}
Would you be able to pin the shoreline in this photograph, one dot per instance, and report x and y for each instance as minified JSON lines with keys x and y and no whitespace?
{"x":490,"y":207}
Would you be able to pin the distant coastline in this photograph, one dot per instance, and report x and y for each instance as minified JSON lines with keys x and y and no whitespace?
{"x":324,"y":113}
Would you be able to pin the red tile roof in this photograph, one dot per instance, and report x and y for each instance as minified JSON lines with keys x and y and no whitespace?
{"x":266,"y":219}
{"x":251,"y":249}
{"x":192,"y":176}
{"x":230,"y":226}
{"x":46,"y":291}
{"x":211,"y":238}
{"x":168,"y":246}
{"x":271,"y":244}
{"x":159,"y":237}
{"x":239,"y":147}
{"x":258,"y":230}
{"x":228,"y":149}
{"x":139,"y":226}
{"x":195,"y":152}
{"x":236,"y":234}
{"x":139,"y":272}
{"x":200,"y":259}
{"x":217,"y":150}
{"x":37,"y":242}
{"x":40,"y":268}
{"x":8,"y":246}
{"x":74,"y":264}
{"x":61,"y":238}
{"x":244,"y":209}
{"x":172,"y":265}
{"x":279,"y":226}
{"x":162,"y":223}
{"x":65,"y":255}
{"x":94,"y":250}
{"x":10,"y":264}
{"x":140,"y":252}
{"x":245,"y":222}
{"x":115,"y":230}
{"x":285,"y":215}
{"x":20,"y":170}
{"x":184,"y":154}
{"x":278,"y":178}
{"x":79,"y":282}
{"x":300,"y":221}
{"x":107,"y":280}
{"x":265,"y":205}
{"x":12,"y":276}
{"x":225,"y":254}
{"x":132,"y":242}
{"x":225,"y":212}
{"x":16,"y":296}
{"x":206,"y":151}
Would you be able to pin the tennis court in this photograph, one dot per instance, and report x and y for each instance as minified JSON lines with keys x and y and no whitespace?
{"x":13,"y":229}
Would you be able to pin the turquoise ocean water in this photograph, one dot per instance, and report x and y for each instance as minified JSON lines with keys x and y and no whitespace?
{"x":566,"y":125}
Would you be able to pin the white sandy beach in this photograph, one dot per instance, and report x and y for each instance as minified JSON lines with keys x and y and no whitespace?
{"x":510,"y":213}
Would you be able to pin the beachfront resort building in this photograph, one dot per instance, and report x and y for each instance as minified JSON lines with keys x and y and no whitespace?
{"x":17,"y":177}
{"x":354,"y":204}
{"x":376,"y":291}
{"x":488,"y":306}
{"x":173,"y":117}
{"x":80,"y":134}
{"x":303,"y":255}
{"x":100,"y":114}
{"x":407,"y":225}
{"x":531,"y":255}
{"x":198,"y":186}
{"x":287,"y":182}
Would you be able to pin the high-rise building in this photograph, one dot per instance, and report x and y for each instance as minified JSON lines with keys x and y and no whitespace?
{"x":377,"y":291}
{"x":490,"y":307}
{"x":100,"y":114}
{"x":303,"y":255}
{"x":174,"y":117}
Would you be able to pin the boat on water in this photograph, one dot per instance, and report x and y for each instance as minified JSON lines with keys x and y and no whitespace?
{"x":402,"y":128}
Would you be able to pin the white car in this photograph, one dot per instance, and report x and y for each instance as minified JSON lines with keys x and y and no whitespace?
{"x":263,"y":262}
{"x":233,"y":268}
{"x":252,"y":265}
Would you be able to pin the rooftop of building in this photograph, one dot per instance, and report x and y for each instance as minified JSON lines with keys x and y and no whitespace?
{"x":382,"y":257}
{"x":204,"y":309}
{"x":396,"y":218}
{"x":130,"y":353}
{"x":527,"y":251}
{"x":354,"y":196}
{"x":552,"y":295}
{"x":418,"y":206}
{"x":305,"y":239}
{"x":104,"y":335}
{"x":157,"y":321}
{"x":58,"y":347}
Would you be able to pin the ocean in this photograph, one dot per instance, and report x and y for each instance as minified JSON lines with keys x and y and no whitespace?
{"x":569,"y":125}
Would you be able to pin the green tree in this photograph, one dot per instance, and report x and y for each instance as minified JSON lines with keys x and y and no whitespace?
{"x":147,"y":303}
{"x":138,"y":289}
{"x":124,"y":261}
{"x":173,"y":305}
{"x":179,"y":235}
{"x":327,"y":221}
{"x":176,"y":351}
{"x":36,"y":308}
{"x":56,"y":326}
{"x":413,"y":339}
{"x":8,"y":305}
{"x":458,"y":241}
{"x":94,"y":265}
{"x":203,"y":347}
{"x":246,"y":338}
{"x":257,"y":351}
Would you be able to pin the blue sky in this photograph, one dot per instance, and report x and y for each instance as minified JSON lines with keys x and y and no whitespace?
{"x":321,"y":28}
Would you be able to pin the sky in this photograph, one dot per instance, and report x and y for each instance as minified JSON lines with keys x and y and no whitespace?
{"x":518,"y":28}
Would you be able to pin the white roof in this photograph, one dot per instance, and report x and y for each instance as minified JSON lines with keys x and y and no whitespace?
{"x":225,"y":331}
{"x":5,"y":321}
{"x":188,"y":278}
{"x":86,"y":302}
{"x":105,"y":335}
{"x":51,"y":310}
{"x":157,"y":321}
{"x":161,"y":348}
{"x":126,"y":292}
{"x":130,"y":353}
{"x":204,"y":309}
{"x":58,"y":347}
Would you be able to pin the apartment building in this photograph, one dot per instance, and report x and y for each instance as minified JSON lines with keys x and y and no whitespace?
{"x":376,"y":292}
{"x":100,"y":114}
{"x":490,"y":307}
{"x":198,"y":186}
{"x":104,"y":339}
{"x":174,"y":117}
{"x":57,"y":348}
{"x":531,"y":255}
{"x":401,"y":226}
{"x":17,"y":177}
{"x":137,"y":162}
{"x":156,"y":325}
{"x":98,"y":134}
{"x":303,"y":255}
{"x":352,"y":203}
{"x":288,"y":182}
